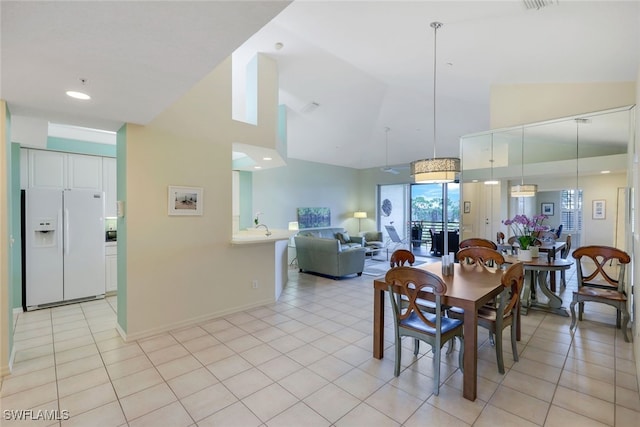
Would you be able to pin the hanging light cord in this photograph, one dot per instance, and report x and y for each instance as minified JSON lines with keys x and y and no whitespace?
{"x":435,"y":26}
{"x":522,"y":162}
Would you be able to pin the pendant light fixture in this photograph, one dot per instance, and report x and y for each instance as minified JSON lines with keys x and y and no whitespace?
{"x":491,"y":181}
{"x":522,"y":189}
{"x":436,"y":169}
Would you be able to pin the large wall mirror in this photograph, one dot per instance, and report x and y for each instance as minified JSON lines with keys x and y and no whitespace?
{"x":578,"y":163}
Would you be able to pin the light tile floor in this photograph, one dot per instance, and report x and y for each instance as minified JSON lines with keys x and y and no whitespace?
{"x":306,"y":361}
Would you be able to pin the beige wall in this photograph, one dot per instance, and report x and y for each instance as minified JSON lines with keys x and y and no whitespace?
{"x":513,"y":105}
{"x":182,"y":269}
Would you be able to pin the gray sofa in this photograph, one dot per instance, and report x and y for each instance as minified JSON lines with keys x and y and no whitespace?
{"x":327,"y":255}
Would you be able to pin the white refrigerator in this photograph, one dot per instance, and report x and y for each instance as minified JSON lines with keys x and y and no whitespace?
{"x":63,"y":241}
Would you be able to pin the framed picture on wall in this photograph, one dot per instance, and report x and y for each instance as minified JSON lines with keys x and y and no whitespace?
{"x":546,"y":209}
{"x":599,"y":209}
{"x":467,"y":207}
{"x":185,"y":200}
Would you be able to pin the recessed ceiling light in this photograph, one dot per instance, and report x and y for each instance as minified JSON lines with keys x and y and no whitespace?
{"x":267,"y":158}
{"x":605,"y":171}
{"x":78,"y":95}
{"x":257,"y":167}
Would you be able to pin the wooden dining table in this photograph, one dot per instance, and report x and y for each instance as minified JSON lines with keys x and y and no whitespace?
{"x":469,"y":288}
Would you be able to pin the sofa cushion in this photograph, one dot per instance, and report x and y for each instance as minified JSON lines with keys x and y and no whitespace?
{"x":343,"y":237}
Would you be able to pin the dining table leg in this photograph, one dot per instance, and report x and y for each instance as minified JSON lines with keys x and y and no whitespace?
{"x":378,"y":323}
{"x":470,"y":361}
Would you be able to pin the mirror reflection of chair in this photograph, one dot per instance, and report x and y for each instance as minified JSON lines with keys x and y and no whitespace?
{"x":500,"y":238}
{"x":564,"y":254}
{"x":410,"y":321}
{"x":512,"y":240}
{"x":400,"y":257}
{"x":598,"y":282}
{"x":432,"y":236}
{"x":477,"y":241}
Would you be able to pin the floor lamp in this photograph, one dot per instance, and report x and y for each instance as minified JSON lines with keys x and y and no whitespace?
{"x":360,"y":215}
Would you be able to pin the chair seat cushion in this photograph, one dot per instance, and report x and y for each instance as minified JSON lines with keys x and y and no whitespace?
{"x":602,"y":293}
{"x":414,"y":322}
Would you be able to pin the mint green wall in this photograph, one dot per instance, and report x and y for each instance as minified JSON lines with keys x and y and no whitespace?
{"x":121,"y":190}
{"x":246,"y":208}
{"x":81,"y":147}
{"x":16,"y":250}
{"x":279,"y":192}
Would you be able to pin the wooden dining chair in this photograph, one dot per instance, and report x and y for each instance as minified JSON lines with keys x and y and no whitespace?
{"x":500,"y":238}
{"x":512,"y":240}
{"x":400,"y":257}
{"x":481,"y":255}
{"x":478,"y":241}
{"x":411,"y":321}
{"x":505,"y":313}
{"x":598,"y":282}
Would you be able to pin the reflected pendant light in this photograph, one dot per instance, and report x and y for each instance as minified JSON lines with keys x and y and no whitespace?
{"x":436,"y":169}
{"x":522,"y":189}
{"x":492,"y":181}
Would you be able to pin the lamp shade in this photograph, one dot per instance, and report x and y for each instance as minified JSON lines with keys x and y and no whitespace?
{"x":293,"y":225}
{"x":436,"y":170}
{"x":360,"y":214}
{"x":524,"y":190}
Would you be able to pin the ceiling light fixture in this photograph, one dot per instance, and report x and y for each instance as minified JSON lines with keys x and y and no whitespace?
{"x":79,"y":95}
{"x":522,"y":189}
{"x":436,"y":169}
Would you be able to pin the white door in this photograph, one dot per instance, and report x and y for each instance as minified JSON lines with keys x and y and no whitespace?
{"x":84,"y":262}
{"x":43,"y":246}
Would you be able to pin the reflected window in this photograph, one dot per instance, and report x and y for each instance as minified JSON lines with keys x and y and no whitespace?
{"x":571,"y":210}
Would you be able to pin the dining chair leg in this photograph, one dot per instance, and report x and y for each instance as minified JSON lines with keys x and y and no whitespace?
{"x":572,"y":307}
{"x":625,"y":321}
{"x":514,"y":342}
{"x":436,"y":370}
{"x":461,"y":355}
{"x":499,"y":356}
{"x":416,"y":346}
{"x":396,"y":370}
{"x":452,"y":343}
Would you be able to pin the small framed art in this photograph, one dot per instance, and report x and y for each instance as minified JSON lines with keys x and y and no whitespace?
{"x":467,"y":207}
{"x":546,"y":209}
{"x":185,"y":200}
{"x":599,"y":209}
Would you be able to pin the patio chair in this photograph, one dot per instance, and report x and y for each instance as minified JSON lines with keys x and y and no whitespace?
{"x":395,"y":238}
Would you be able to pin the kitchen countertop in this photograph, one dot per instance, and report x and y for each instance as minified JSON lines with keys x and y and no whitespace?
{"x":249,"y":237}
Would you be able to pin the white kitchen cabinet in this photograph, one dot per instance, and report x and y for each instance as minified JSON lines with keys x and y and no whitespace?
{"x":111,"y":268}
{"x":109,"y":182}
{"x":84,"y":172}
{"x":59,"y":170}
{"x":47,"y":169}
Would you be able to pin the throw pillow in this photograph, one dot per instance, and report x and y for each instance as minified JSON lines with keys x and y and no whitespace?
{"x":343,"y":237}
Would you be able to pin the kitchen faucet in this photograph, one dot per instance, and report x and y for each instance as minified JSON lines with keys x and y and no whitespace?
{"x":268,"y":233}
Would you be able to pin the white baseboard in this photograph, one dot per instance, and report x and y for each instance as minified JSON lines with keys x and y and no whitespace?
{"x":189,"y":322}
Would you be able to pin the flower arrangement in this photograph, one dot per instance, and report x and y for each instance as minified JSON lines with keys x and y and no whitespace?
{"x":526,"y":229}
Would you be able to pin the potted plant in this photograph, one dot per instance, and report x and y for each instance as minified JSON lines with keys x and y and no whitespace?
{"x":526,"y":229}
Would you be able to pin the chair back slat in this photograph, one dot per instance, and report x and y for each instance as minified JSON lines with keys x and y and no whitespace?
{"x":599,"y":257}
{"x":400,"y":257}
{"x":477,"y":241}
{"x":513,"y":280}
{"x":409,"y":282}
{"x":480,"y":255}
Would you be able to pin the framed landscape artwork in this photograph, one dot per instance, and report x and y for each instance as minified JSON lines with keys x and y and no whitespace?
{"x":185,"y":200}
{"x":546,"y":208}
{"x":314,"y":217}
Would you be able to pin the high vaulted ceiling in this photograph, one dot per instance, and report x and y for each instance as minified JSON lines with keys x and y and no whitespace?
{"x":369,"y":65}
